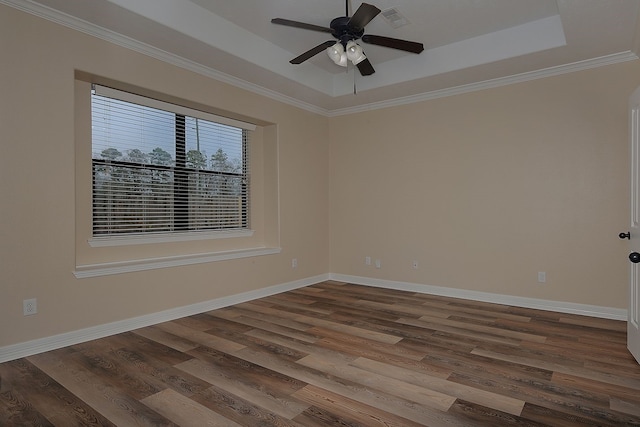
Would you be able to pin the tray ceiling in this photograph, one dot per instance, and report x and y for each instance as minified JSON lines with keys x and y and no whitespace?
{"x":469,"y":44}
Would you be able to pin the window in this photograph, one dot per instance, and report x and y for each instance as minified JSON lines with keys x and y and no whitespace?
{"x":138,"y":208}
{"x":158,"y":168}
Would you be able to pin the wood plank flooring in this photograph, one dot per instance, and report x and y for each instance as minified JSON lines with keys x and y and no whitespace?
{"x":337,"y":354}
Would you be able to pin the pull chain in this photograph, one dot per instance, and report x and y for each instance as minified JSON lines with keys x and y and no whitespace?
{"x":354,"y":82}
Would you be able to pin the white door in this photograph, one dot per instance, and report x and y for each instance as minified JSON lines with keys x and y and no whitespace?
{"x":633,"y":324}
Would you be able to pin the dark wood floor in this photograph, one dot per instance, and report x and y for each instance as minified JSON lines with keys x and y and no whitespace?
{"x":337,"y":354}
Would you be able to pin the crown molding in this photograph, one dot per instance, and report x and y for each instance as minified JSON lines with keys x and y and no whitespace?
{"x":143,"y":48}
{"x":489,"y":84}
{"x":153,"y":52}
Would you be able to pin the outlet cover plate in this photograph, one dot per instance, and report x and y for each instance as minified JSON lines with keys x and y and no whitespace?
{"x":29,"y":306}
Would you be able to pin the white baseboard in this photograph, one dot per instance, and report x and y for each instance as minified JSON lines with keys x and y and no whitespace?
{"x":29,"y":348}
{"x":540,"y":304}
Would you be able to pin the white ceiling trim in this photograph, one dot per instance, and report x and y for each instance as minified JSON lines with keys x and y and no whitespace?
{"x":535,"y":36}
{"x":153,"y":52}
{"x":489,"y":84}
{"x":129,"y":43}
{"x":200,"y":24}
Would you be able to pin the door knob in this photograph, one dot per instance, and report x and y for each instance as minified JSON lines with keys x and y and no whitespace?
{"x":634,"y":257}
{"x":626,"y":235}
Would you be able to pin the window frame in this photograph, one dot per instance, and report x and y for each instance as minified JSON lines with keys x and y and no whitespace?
{"x":180,"y":231}
{"x":94,"y":259}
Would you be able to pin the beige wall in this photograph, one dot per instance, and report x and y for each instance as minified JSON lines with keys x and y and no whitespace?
{"x":39,"y":61}
{"x":486,"y":189}
{"x":483,"y":190}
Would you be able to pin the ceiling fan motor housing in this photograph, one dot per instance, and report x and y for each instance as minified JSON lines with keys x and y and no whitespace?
{"x":343,"y":32}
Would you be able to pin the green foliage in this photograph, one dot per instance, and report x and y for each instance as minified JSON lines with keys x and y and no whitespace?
{"x":110,"y":154}
{"x":220,"y":162}
{"x":196,"y":160}
{"x":131,"y":196}
{"x":160,"y":157}
{"x":137,"y":156}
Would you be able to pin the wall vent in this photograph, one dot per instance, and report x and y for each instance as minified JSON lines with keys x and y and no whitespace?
{"x":394,"y":18}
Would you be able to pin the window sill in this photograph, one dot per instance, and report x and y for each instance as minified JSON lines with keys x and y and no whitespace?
{"x":96,"y":270}
{"x":115,"y":240}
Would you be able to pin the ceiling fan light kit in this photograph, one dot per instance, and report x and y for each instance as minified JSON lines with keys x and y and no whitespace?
{"x":347,"y":30}
{"x":355,"y":53}
{"x":337,"y":54}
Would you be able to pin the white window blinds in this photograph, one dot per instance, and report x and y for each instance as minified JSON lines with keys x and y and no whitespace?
{"x":162,"y":168}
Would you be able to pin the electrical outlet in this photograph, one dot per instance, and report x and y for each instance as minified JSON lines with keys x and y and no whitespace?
{"x":367,"y":260}
{"x":29,"y":306}
{"x":294,"y":263}
{"x":542,"y":277}
{"x":378,"y":263}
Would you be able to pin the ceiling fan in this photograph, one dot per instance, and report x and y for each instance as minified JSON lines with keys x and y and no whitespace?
{"x":347,"y":30}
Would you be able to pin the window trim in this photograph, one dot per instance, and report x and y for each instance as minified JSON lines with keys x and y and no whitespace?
{"x":153,"y":238}
{"x":119,"y":267}
{"x":167,"y":106}
{"x":264,"y":205}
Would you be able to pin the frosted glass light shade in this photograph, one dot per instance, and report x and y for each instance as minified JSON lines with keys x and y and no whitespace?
{"x":337,"y":54}
{"x":355,"y":53}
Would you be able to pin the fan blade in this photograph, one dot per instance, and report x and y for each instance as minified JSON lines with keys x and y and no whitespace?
{"x":312,"y":52}
{"x":302,"y":25}
{"x":365,"y":68}
{"x":405,"y":45}
{"x":365,"y":13}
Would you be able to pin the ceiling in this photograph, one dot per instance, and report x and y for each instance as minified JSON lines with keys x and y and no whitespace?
{"x":469,"y":44}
